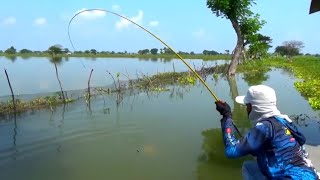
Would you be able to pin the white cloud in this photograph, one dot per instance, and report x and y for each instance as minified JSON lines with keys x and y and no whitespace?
{"x":123,"y":23}
{"x":116,"y":8}
{"x":9,"y":21}
{"x":199,"y":33}
{"x":94,"y":14}
{"x":40,"y":21}
{"x":153,"y":23}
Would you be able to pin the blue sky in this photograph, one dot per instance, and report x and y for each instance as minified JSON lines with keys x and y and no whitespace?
{"x":184,"y":25}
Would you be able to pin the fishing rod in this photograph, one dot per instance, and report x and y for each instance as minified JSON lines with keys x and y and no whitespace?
{"x":198,"y":76}
{"x":195,"y":73}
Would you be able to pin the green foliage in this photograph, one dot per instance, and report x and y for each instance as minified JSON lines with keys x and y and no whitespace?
{"x":11,"y":50}
{"x":187,"y":80}
{"x":154,"y":51}
{"x":259,"y":45}
{"x":25,"y":51}
{"x":167,"y":51}
{"x":230,"y":9}
{"x":56,"y":49}
{"x":144,"y":51}
{"x":93,"y":51}
{"x":207,"y":52}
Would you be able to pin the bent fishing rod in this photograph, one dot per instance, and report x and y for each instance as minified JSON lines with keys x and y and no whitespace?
{"x":194,"y":72}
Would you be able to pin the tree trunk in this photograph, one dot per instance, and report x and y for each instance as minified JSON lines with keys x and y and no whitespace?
{"x":238,"y":49}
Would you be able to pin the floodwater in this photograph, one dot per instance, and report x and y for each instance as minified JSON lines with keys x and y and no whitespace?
{"x":173,"y":134}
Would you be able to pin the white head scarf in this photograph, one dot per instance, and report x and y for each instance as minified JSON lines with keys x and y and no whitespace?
{"x":263,"y":100}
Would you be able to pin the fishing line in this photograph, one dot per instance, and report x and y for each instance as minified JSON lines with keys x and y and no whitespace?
{"x":197,"y":75}
{"x":107,"y":11}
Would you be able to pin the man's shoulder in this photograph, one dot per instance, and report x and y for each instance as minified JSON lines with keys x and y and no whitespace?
{"x":266,"y":122}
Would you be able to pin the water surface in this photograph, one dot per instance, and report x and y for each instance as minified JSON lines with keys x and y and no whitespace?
{"x":156,"y":135}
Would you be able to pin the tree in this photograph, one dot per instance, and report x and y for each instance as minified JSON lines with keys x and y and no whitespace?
{"x":245,"y":23}
{"x":259,"y":46}
{"x":167,"y":51}
{"x":54,"y":50}
{"x":66,"y":50}
{"x":145,"y":51}
{"x":290,"y":48}
{"x":93,"y":51}
{"x":11,"y":50}
{"x":25,"y":51}
{"x":154,"y":51}
{"x":206,"y":52}
{"x":78,"y":52}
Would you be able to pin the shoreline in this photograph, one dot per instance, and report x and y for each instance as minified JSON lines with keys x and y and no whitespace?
{"x":140,"y":56}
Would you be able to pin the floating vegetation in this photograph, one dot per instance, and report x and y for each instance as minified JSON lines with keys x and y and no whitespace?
{"x":47,"y":102}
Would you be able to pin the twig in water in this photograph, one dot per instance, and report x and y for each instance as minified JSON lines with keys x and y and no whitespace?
{"x":64,"y":99}
{"x":89,"y":84}
{"x":174,"y":70}
{"x":115,"y":85}
{"x":12,"y":94}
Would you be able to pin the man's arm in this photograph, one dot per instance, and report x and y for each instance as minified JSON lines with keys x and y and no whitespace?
{"x":249,"y":144}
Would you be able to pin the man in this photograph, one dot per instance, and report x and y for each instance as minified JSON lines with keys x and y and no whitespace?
{"x":274,"y":141}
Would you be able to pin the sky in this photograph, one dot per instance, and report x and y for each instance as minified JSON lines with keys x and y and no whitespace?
{"x":183,"y":25}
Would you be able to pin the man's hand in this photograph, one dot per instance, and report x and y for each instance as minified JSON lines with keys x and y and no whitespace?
{"x":223,"y":108}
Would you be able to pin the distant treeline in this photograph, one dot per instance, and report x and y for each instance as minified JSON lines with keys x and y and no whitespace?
{"x":58,"y":50}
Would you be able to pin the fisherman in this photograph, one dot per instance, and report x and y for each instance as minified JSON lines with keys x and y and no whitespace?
{"x":274,"y":141}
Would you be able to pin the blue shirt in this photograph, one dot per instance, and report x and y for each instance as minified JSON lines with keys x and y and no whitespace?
{"x":276,"y":144}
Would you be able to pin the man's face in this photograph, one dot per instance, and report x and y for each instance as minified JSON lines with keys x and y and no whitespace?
{"x":249,"y":108}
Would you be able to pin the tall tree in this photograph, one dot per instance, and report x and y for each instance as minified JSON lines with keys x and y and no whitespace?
{"x":54,"y":50}
{"x":245,"y":23}
{"x":93,"y":51}
{"x":154,"y":51}
{"x":259,"y":45}
{"x":11,"y":50}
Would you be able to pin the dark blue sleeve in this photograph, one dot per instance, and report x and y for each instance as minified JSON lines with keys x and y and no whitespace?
{"x":248,"y":144}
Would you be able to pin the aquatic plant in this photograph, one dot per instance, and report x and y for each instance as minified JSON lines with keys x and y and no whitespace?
{"x":39,"y":103}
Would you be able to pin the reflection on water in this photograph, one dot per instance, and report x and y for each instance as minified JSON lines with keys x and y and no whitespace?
{"x":12,"y":58}
{"x":256,"y":77}
{"x":213,"y":159}
{"x":213,"y":163}
{"x":149,"y":135}
{"x":56,"y":60}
